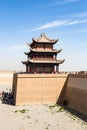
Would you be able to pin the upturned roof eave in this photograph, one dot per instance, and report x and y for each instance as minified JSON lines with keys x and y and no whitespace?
{"x":47,"y":62}
{"x":24,"y":62}
{"x":46,"y":51}
{"x":42,"y":62}
{"x":42,"y":51}
{"x":49,"y":42}
{"x":44,"y":39}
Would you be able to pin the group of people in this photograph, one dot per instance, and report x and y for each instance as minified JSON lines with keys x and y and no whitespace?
{"x":7,"y":98}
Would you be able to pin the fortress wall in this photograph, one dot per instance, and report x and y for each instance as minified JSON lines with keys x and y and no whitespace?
{"x":37,"y":88}
{"x":51,"y":89}
{"x":75,"y":93}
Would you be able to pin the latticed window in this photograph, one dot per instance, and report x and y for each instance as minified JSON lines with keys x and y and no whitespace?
{"x":49,"y":69}
{"x":41,"y":69}
{"x":48,"y":47}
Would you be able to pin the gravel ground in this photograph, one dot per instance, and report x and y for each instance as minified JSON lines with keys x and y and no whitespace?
{"x":38,"y":117}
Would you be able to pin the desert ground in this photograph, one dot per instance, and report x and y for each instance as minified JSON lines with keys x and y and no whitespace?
{"x":35,"y":117}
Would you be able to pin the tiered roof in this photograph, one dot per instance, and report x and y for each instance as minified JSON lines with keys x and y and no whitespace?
{"x":43,"y":39}
{"x":47,"y":62}
{"x":43,"y":51}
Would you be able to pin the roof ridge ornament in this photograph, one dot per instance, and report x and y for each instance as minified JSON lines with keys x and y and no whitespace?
{"x":42,"y":34}
{"x":44,"y":39}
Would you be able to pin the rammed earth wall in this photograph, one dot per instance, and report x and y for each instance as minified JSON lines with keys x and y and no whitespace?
{"x":75,"y":93}
{"x":37,"y":88}
{"x":70,"y":90}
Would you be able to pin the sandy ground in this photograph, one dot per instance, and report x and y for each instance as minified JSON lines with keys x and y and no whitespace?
{"x":6,"y":79}
{"x":35,"y":117}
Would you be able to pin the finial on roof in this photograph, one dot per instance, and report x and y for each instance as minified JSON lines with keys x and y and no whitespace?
{"x":42,"y":34}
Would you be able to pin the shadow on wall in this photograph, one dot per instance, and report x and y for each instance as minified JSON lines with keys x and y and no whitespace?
{"x":62,"y":98}
{"x":74,"y":94}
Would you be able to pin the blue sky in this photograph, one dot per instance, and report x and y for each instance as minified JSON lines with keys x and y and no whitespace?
{"x":20,"y":20}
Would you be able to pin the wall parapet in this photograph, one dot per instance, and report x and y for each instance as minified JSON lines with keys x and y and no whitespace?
{"x":42,"y":75}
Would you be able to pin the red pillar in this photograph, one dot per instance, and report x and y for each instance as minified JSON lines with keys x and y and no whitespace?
{"x":33,"y":57}
{"x":26,"y":68}
{"x":36,"y":46}
{"x":30,"y":69}
{"x":44,"y":47}
{"x":36,"y":69}
{"x":57,"y":68}
{"x":44,"y":69}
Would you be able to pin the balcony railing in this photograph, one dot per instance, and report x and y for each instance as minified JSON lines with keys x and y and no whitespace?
{"x":42,"y":59}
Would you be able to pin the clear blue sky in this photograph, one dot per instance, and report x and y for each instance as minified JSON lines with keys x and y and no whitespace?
{"x":20,"y":20}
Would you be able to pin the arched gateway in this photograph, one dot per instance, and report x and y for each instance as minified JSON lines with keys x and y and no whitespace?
{"x":42,"y":58}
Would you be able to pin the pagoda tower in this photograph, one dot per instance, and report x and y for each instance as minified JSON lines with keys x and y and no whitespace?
{"x":42,"y":58}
